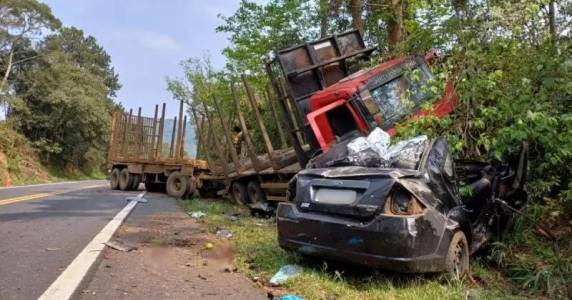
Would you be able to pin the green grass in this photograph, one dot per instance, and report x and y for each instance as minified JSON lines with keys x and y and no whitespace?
{"x":257,"y":254}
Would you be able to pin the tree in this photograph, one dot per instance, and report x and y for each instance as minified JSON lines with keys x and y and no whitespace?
{"x":85,"y":52}
{"x":20,"y":21}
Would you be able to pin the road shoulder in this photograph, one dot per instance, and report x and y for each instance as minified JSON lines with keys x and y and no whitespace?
{"x":170,"y":261}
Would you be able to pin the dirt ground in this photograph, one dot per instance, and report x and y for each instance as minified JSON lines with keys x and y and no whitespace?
{"x":171,"y":262}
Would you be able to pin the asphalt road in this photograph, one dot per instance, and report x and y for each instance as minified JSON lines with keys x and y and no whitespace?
{"x":39,"y":237}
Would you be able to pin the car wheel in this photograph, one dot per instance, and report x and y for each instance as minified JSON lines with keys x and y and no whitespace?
{"x":114,"y":179}
{"x":177,"y":185}
{"x":125,"y":180}
{"x":457,"y":261}
{"x":239,"y":193}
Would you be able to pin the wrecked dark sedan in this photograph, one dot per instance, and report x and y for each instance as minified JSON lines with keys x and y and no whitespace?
{"x":419,"y":211}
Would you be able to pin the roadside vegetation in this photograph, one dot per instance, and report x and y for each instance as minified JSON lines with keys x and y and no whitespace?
{"x":57,"y":93}
{"x":258,"y":255}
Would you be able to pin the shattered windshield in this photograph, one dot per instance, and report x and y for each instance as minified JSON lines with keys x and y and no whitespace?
{"x":398,"y":97}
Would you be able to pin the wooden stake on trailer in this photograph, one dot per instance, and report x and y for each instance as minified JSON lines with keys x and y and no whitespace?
{"x":252,"y":98}
{"x":216,"y":142}
{"x":289,"y":118}
{"x":283,"y":142}
{"x":159,"y":151}
{"x":179,"y":132}
{"x":125,"y":145}
{"x":199,"y":140}
{"x":226,"y":130}
{"x":139,"y":135}
{"x":151,"y":153}
{"x":182,"y":147}
{"x":111,"y":155}
{"x":258,"y":166}
{"x":202,"y":139}
{"x":172,"y":148}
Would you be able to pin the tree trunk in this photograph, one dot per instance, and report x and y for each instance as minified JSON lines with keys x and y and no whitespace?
{"x":552,"y":20}
{"x":7,"y":72}
{"x":357,"y":21}
{"x":395,"y":22}
{"x":324,"y":14}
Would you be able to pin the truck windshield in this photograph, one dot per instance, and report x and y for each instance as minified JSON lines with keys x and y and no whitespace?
{"x":401,"y":95}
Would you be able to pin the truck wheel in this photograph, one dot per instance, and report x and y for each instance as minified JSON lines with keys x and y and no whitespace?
{"x":239,"y":193}
{"x":125,"y":180}
{"x":192,"y":186}
{"x":114,"y":179}
{"x":177,"y":185}
{"x":136,"y":181}
{"x":457,"y":261}
{"x":255,"y":193}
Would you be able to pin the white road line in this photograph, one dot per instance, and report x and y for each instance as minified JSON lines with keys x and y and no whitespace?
{"x":41,"y":184}
{"x":70,"y":279}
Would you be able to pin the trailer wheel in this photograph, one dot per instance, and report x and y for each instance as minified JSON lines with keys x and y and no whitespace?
{"x":136,"y":181}
{"x":239,"y":193}
{"x":255,"y":193}
{"x":457,"y":260}
{"x":177,"y":184}
{"x":125,"y":180}
{"x":114,"y":179}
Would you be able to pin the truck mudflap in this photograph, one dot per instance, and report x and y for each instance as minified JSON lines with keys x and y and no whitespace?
{"x":409,"y":244}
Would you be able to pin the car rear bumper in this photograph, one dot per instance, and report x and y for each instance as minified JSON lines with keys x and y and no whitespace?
{"x":416,"y":244}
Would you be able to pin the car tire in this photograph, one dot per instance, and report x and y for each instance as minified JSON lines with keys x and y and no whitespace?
{"x":457,"y":260}
{"x":114,"y":179}
{"x":125,"y":180}
{"x":177,"y":185}
{"x":239,"y":193}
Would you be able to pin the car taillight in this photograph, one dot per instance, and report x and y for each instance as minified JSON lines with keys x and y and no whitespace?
{"x":401,"y":202}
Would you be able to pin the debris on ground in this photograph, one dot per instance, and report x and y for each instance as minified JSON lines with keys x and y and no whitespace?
{"x":197,"y":214}
{"x":53,"y":249}
{"x":209,"y":246}
{"x":286,"y":272}
{"x":291,"y":297}
{"x":233,"y":216}
{"x":120,"y":246}
{"x":224,"y":233}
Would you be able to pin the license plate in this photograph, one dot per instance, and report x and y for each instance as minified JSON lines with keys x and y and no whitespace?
{"x":335,"y":196}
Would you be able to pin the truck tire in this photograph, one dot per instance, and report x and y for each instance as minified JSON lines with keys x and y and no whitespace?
{"x":255,"y":192}
{"x":177,"y":185}
{"x":239,"y":193}
{"x":125,"y":180}
{"x":192,"y":186}
{"x":457,"y":260}
{"x":114,"y":179}
{"x":136,"y":181}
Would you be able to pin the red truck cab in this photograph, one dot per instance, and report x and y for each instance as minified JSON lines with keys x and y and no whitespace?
{"x":328,"y":96}
{"x":375,"y":98}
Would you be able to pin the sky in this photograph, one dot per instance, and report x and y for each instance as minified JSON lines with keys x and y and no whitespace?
{"x":147,"y":39}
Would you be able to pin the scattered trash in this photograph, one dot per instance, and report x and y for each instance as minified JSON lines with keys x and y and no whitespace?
{"x":117,"y":245}
{"x":229,"y":268}
{"x":233,"y":216}
{"x":224,"y":233}
{"x":197,"y":214}
{"x":209,"y":246}
{"x":53,"y":249}
{"x":202,"y":277}
{"x":286,"y":272}
{"x":291,"y":297}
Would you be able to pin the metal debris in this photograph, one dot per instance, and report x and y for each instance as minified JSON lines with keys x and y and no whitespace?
{"x":117,"y":245}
